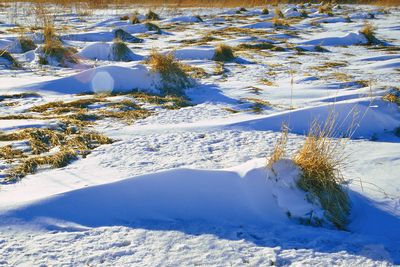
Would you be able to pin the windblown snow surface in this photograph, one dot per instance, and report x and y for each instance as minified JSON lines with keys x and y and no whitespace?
{"x":190,"y":186}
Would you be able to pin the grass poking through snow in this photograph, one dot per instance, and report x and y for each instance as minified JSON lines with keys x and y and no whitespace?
{"x":174,"y":77}
{"x":223,"y":53}
{"x":321,"y":160}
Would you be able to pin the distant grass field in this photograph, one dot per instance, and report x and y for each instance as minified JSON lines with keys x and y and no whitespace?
{"x":200,"y":3}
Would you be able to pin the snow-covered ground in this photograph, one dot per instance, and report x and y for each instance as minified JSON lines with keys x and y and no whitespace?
{"x":190,"y":186}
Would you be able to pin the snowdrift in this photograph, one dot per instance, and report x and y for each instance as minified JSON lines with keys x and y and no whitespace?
{"x":249,"y":194}
{"x":242,"y":195}
{"x":352,"y":38}
{"x":101,"y":79}
{"x":259,"y":25}
{"x":365,"y":117}
{"x":103,"y":36}
{"x":93,"y":36}
{"x":107,"y":51}
{"x":200,"y":53}
{"x":184,"y":19}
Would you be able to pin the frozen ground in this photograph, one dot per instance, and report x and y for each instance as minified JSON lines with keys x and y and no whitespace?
{"x":189,"y":186}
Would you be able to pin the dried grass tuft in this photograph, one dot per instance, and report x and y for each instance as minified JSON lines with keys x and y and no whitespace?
{"x":368,"y":31}
{"x":223,"y":53}
{"x":152,"y":15}
{"x":174,"y":78}
{"x":280,"y":147}
{"x":321,"y":160}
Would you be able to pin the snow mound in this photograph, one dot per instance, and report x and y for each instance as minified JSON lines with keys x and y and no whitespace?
{"x":126,"y":37}
{"x":201,"y":53}
{"x":288,"y":197}
{"x":138,"y":28}
{"x":107,"y":51}
{"x":12,"y":46}
{"x":333,"y":20}
{"x":241,"y":195}
{"x":185,"y":19}
{"x":352,"y":38}
{"x":291,"y":13}
{"x":103,"y":36}
{"x":93,"y":36}
{"x":102,"y":79}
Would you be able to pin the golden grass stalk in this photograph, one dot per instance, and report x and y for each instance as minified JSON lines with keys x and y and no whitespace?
{"x":321,"y":159}
{"x":280,"y":147}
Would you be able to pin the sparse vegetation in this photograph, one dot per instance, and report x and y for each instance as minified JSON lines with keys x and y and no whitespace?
{"x":260,"y":46}
{"x":326,"y":9}
{"x":70,"y":147}
{"x":120,"y":51}
{"x":153,"y":27}
{"x":13,"y":63}
{"x":223,"y":53}
{"x":26,"y":44}
{"x":280,"y":22}
{"x":321,"y":159}
{"x":278,"y":13}
{"x":257,"y":105}
{"x":152,"y":15}
{"x":134,"y":19}
{"x":174,"y":78}
{"x":126,"y":37}
{"x":369,"y":32}
{"x":279,"y":151}
{"x":55,"y":53}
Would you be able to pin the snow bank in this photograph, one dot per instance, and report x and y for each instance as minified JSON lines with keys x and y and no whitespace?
{"x":291,"y":13}
{"x":12,"y":125}
{"x":241,"y":195}
{"x":101,"y":79}
{"x":9,"y":45}
{"x":352,"y":38}
{"x":93,"y":36}
{"x":106,"y":51}
{"x":184,"y":19}
{"x":135,"y":28}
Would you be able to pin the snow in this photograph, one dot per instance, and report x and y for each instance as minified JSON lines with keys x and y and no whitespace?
{"x":101,"y":79}
{"x":191,"y":186}
{"x":105,"y":51}
{"x":352,"y":38}
{"x":200,"y":53}
{"x":186,"y":19}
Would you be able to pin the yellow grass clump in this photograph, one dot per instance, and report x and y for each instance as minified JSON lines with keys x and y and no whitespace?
{"x":368,"y":30}
{"x":223,"y":53}
{"x":321,"y":159}
{"x":174,"y":78}
{"x":151,"y":15}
